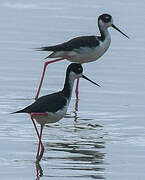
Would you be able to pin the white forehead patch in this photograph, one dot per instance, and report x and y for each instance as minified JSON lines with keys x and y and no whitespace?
{"x":107,"y":17}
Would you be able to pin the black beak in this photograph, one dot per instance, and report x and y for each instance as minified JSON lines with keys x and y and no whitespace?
{"x":119,"y":30}
{"x":90,"y":80}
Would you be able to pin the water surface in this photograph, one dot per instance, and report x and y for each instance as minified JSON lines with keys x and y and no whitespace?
{"x":105,"y":138}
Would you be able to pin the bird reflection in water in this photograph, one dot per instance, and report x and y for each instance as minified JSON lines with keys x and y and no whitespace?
{"x":39,"y":171}
{"x":79,"y":151}
{"x":75,"y":110}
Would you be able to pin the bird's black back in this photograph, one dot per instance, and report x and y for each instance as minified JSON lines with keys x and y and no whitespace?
{"x":49,"y":103}
{"x":75,"y":43}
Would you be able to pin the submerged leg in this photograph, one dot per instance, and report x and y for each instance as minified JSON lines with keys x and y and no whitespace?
{"x":43,"y":73}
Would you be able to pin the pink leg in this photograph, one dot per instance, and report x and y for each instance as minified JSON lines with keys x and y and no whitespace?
{"x":43,"y":73}
{"x":77,"y":88}
{"x":39,"y":137}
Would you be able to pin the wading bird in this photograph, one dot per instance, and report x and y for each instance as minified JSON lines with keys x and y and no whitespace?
{"x":53,"y":107}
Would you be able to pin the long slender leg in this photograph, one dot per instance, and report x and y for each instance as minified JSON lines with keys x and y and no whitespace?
{"x":77,"y":89}
{"x":33,"y":114}
{"x":42,"y":146}
{"x":43,"y":73}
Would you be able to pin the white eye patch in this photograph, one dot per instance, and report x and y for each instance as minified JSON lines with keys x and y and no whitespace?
{"x":107,"y":17}
{"x":79,"y":69}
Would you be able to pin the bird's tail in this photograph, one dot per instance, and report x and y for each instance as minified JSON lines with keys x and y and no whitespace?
{"x":20,"y":111}
{"x":47,"y":48}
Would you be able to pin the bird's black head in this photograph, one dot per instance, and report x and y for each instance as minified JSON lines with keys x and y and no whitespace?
{"x":75,"y":68}
{"x":106,"y":18}
{"x":105,"y":21}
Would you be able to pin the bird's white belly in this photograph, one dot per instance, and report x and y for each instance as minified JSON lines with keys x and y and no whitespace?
{"x":86,"y":55}
{"x":50,"y":117}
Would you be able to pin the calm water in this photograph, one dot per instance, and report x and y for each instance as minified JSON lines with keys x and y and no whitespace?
{"x":107,"y":138}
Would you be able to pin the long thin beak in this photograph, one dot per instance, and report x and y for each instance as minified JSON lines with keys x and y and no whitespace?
{"x":90,"y":80}
{"x":119,"y":30}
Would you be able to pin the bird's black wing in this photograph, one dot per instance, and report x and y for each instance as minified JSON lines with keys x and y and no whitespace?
{"x":76,"y":43}
{"x":48,"y":103}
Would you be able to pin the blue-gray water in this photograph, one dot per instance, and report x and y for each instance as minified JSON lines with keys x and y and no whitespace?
{"x":108,"y":139}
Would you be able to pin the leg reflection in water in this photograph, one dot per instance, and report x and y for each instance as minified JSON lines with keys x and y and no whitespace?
{"x":39,"y":171}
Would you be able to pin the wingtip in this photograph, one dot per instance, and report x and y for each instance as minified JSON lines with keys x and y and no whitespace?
{"x":20,"y":111}
{"x":38,"y":49}
{"x":42,"y":49}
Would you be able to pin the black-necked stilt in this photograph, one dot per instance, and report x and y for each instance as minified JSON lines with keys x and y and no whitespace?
{"x":82,"y":49}
{"x":51,"y":108}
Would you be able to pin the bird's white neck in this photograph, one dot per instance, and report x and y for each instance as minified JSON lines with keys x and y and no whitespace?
{"x":104,"y":31}
{"x":68,"y":86}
